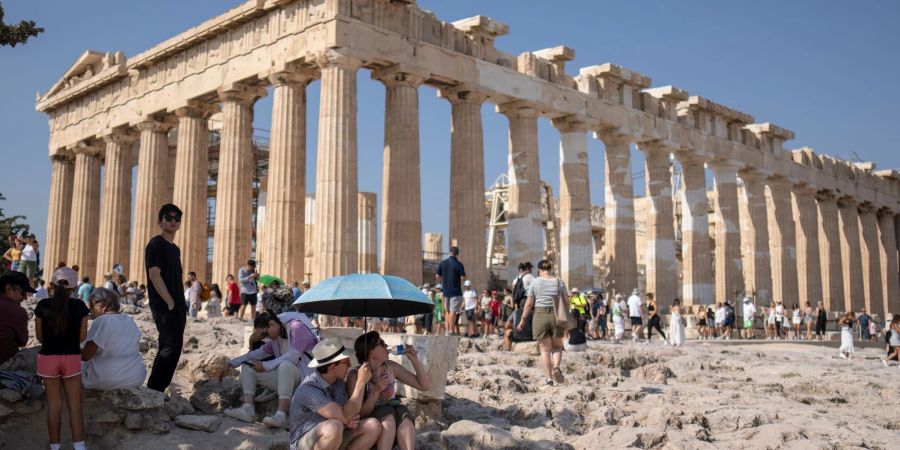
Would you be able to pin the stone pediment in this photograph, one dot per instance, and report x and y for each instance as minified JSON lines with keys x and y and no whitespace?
{"x":89,"y":65}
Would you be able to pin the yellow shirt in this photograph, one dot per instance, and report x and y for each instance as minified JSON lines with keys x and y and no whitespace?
{"x":578,"y":303}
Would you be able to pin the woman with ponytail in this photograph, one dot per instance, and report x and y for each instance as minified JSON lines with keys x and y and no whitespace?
{"x":60,"y":323}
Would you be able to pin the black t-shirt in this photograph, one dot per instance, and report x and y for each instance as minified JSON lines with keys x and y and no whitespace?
{"x":67,"y":343}
{"x":167,"y":256}
{"x":451,"y":272}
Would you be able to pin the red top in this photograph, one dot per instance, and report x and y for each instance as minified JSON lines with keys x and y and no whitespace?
{"x":495,"y":307}
{"x":235,"y":291}
{"x":13,"y":328}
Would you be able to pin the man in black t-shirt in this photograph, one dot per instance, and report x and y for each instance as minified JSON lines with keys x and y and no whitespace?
{"x":450,"y":275}
{"x":162,"y":260}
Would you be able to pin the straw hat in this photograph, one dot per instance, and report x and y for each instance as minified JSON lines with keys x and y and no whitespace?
{"x":328,"y":351}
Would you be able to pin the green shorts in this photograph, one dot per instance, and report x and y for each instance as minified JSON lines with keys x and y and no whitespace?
{"x":543,"y":325}
{"x":748,"y":324}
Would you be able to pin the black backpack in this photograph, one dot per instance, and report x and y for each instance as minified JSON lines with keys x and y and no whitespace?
{"x":576,"y":337}
{"x":519,"y":294}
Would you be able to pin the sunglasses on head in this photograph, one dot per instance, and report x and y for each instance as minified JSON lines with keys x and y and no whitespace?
{"x":172,"y":218}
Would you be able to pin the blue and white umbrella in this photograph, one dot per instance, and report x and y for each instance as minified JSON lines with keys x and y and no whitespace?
{"x":365,"y":295}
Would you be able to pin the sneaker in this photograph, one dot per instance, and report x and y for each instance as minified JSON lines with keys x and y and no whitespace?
{"x":266,"y":395}
{"x":549,"y":382}
{"x":843,"y":355}
{"x":277,"y":420}
{"x":884,"y":362}
{"x":558,"y":375}
{"x":244,"y":413}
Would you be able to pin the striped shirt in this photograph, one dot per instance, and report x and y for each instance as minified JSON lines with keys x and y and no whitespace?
{"x":313,"y":394}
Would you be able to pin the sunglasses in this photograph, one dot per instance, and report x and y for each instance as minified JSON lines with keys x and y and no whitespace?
{"x":172,"y":218}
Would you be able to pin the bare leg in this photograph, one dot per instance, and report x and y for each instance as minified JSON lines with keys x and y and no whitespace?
{"x":364,"y":436}
{"x":406,"y":435}
{"x":53,"y":388}
{"x":241,"y":311}
{"x":546,"y":347}
{"x":72,"y":386}
{"x":388,"y":433}
{"x":330,"y":435}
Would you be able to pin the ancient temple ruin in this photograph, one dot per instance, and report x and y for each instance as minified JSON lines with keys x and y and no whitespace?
{"x":789,"y":224}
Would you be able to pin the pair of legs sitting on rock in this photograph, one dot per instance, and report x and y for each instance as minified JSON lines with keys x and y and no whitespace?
{"x":283,"y":380}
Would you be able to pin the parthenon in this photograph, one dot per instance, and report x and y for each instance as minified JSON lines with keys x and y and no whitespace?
{"x":791,"y":225}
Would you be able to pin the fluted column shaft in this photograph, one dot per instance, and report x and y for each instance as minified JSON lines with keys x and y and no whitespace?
{"x":335,"y":243}
{"x":809,"y":268}
{"x":282,"y":242}
{"x":782,"y":241}
{"x":234,"y":187}
{"x":621,"y":252}
{"x":59,"y":217}
{"x":524,"y":237}
{"x":401,"y":213}
{"x":85,"y":222}
{"x":467,"y":208}
{"x":368,"y":233}
{"x":576,"y":242}
{"x":115,"y":226}
{"x":830,"y":251}
{"x":729,"y":269}
{"x":189,"y":193}
{"x":890,"y":273}
{"x":758,"y":260}
{"x":697,"y":285}
{"x":871,"y":260}
{"x":662,"y":264}
{"x":854,"y":294}
{"x":153,"y":162}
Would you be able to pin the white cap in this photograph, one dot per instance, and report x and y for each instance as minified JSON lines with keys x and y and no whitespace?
{"x":468,"y":283}
{"x":67,"y":274}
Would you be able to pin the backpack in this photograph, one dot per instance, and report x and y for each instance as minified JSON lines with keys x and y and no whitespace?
{"x":205,"y":291}
{"x":576,"y":337}
{"x":519,"y":294}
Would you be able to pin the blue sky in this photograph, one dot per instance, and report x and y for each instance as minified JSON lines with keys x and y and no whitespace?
{"x":825,"y":69}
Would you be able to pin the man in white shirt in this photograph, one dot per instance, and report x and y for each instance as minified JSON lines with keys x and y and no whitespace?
{"x":635,"y":313}
{"x":749,"y":311}
{"x":470,"y":297}
{"x":720,"y":319}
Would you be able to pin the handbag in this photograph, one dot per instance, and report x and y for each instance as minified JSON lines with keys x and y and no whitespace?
{"x":561,"y":308}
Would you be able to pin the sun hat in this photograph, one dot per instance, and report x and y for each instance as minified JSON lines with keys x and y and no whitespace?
{"x":328,"y":351}
{"x":67,"y":274}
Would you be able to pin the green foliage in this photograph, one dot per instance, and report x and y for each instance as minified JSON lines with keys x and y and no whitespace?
{"x":13,"y":35}
{"x":10,"y":225}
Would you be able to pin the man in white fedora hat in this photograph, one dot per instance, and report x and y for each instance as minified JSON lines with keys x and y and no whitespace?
{"x":323,"y":416}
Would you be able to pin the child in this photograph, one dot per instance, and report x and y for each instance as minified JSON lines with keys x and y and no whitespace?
{"x":213,"y":307}
{"x":60,"y":324}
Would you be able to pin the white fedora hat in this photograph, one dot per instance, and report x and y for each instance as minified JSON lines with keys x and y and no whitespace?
{"x":328,"y":351}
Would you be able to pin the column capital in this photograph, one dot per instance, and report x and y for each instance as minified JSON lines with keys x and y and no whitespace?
{"x":886,"y":213}
{"x":752,"y":176}
{"x":612,"y":136}
{"x":689,"y":158}
{"x":725,"y":166}
{"x":867,"y":208}
{"x":241,"y":93}
{"x":657,"y":146}
{"x":571,"y":124}
{"x":333,"y":57}
{"x":294,"y":78}
{"x":87,"y":147}
{"x":123,"y":137}
{"x":846,"y":202}
{"x":826,"y":196}
{"x":462,"y":94}
{"x":62,"y":156}
{"x":518,"y":110}
{"x":803,"y":190}
{"x":400,"y":75}
{"x":155,"y":125}
{"x":197,"y":109}
{"x":778,"y":181}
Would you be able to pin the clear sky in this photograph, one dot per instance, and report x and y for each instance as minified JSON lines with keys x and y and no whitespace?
{"x":825,"y":69}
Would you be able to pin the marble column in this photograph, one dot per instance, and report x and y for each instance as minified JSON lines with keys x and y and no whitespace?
{"x":401,"y":213}
{"x":467,"y":210}
{"x":697,"y":287}
{"x":809,"y":267}
{"x":576,"y":242}
{"x":115,"y":226}
{"x":85,"y":221}
{"x":368,"y":233}
{"x":524,"y":232}
{"x":434,"y":246}
{"x":336,"y":230}
{"x":729,"y":268}
{"x":190,"y":188}
{"x":758,"y":260}
{"x":56,"y":246}
{"x":854,"y":290}
{"x":150,"y":192}
{"x":782,"y":241}
{"x":233,"y":233}
{"x":871,"y":260}
{"x":830,"y":252}
{"x":661,"y":264}
{"x":890,"y":273}
{"x":621,"y":251}
{"x":282,"y":241}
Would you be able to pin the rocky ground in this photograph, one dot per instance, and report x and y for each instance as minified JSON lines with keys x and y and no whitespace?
{"x":702,"y":395}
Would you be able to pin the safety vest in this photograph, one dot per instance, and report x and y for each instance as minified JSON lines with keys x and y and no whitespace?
{"x":579,"y":303}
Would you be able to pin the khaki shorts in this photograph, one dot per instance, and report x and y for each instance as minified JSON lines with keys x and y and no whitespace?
{"x":308,"y":441}
{"x":543,"y":325}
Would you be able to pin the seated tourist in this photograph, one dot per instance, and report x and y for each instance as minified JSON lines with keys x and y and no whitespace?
{"x":13,"y":318}
{"x":111,"y":355}
{"x":380,"y":399}
{"x":282,"y":373}
{"x":511,"y":334}
{"x":324,"y":415}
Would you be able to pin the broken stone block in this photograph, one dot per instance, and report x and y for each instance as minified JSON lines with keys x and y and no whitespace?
{"x":133,"y":398}
{"x":4,"y":411}
{"x":133,"y":421}
{"x":438,"y":355}
{"x":199,"y":423}
{"x":10,"y":396}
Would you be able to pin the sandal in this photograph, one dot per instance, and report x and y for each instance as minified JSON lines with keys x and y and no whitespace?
{"x":558,"y":375}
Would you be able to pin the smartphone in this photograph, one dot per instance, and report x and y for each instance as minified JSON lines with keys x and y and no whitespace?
{"x":249,"y":363}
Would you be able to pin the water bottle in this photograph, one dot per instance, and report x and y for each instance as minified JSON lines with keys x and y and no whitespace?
{"x":398,"y":350}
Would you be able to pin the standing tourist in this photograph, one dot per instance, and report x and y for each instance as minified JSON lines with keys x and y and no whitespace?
{"x":13,"y":318}
{"x":439,"y":309}
{"x":112,"y":354}
{"x":618,"y":312}
{"x":700,"y":317}
{"x":635,"y":312}
{"x":653,"y":319}
{"x":728,"y":323}
{"x":247,"y":276}
{"x":40,"y":292}
{"x":720,"y":320}
{"x":542,"y":293}
{"x":14,"y":253}
{"x":676,"y":328}
{"x":324,"y":415}
{"x":195,"y":302}
{"x":846,"y":322}
{"x":893,"y":330}
{"x":779,"y":319}
{"x":748,"y":312}
{"x":427,"y":318}
{"x":450,"y":275}
{"x":495,"y":313}
{"x":28,"y":261}
{"x":470,"y":297}
{"x":484,"y":313}
{"x":520,"y":291}
{"x":232,"y":296}
{"x":60,"y":324}
{"x":864,"y":320}
{"x":85,"y":289}
{"x":578,"y":305}
{"x":821,"y":321}
{"x":162,"y":258}
{"x":808,"y":320}
{"x":796,"y":321}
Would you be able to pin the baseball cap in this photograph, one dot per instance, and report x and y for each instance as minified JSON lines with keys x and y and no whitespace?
{"x":67,"y":274}
{"x":16,"y":279}
{"x":467,"y":283}
{"x":169,"y":210}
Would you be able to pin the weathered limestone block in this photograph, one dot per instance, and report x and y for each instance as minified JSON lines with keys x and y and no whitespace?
{"x":434,"y":246}
{"x":208,"y":424}
{"x":134,"y":398}
{"x":438,"y":355}
{"x":526,"y":348}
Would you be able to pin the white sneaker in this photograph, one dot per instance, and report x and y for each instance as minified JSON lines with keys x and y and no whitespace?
{"x":277,"y":420}
{"x":884,"y":362}
{"x":843,"y":355}
{"x":244,"y":413}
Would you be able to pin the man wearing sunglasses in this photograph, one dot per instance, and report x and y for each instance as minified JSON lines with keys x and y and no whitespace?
{"x":162,"y":258}
{"x":14,"y":287}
